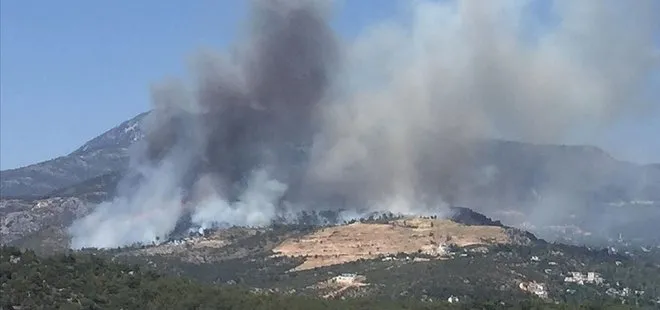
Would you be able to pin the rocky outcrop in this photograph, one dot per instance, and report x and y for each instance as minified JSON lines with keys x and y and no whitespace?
{"x":21,"y":218}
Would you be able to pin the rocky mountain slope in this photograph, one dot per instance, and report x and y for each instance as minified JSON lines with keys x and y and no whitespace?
{"x":495,"y":172}
{"x":22,"y":218}
{"x":513,"y":181}
{"x":104,"y":154}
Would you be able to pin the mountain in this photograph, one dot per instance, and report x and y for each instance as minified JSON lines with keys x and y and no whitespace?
{"x":505,"y":173}
{"x":523,"y":184}
{"x":104,"y":154}
{"x":517,"y":172}
{"x":574,"y":191}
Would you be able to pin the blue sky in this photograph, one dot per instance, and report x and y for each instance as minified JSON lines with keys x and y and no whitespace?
{"x":72,"y":69}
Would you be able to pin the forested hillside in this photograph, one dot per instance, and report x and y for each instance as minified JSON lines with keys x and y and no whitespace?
{"x":77,"y":281}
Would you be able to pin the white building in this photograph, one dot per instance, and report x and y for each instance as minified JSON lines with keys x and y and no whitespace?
{"x":580,"y":278}
{"x":593,"y":277}
{"x":345,"y":278}
{"x":537,"y":289}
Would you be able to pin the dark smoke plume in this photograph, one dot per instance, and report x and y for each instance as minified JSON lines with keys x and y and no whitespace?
{"x":258,"y":113}
{"x":395,"y":120}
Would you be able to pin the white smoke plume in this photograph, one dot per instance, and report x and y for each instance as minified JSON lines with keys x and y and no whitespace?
{"x":298,"y":119}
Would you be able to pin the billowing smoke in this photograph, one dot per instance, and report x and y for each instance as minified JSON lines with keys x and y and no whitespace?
{"x":297,"y":119}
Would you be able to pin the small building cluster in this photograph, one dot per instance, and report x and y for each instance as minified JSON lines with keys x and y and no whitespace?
{"x":580,"y":278}
{"x":537,"y":289}
{"x":625,"y":292}
{"x":436,"y":250}
{"x":14,"y":259}
{"x":348,"y":279}
{"x":392,"y":257}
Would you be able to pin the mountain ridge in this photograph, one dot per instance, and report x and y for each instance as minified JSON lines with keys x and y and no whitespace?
{"x":108,"y":154}
{"x":103,"y":154}
{"x":569,"y":184}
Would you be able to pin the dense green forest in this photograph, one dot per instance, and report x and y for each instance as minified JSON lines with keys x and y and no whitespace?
{"x":86,"y":281}
{"x":472,"y":275}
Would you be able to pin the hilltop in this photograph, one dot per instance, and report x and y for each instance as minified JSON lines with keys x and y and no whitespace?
{"x":348,"y":243}
{"x":400,"y":259}
{"x":467,"y":258}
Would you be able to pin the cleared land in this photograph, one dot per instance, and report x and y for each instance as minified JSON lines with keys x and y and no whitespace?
{"x":346,"y":243}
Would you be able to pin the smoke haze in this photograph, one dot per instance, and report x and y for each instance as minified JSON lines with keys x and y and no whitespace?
{"x":298,"y":119}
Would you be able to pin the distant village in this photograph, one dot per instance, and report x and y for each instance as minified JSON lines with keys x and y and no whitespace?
{"x":580,"y":278}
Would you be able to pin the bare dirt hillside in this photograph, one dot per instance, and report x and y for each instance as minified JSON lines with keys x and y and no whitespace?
{"x":346,"y":243}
